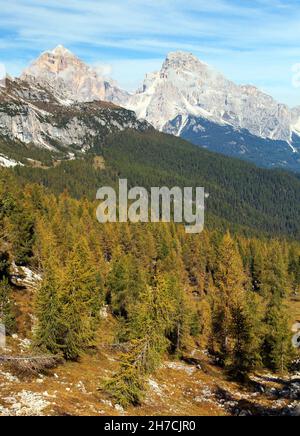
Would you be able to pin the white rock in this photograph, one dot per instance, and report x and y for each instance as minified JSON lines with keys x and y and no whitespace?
{"x":25,"y":403}
{"x":81,"y":387}
{"x":188,"y":87}
{"x":29,"y":113}
{"x":119,"y":408}
{"x":154,"y":386}
{"x":8,"y":163}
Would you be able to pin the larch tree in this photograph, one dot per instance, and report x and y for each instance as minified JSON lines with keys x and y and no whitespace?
{"x":81,"y":298}
{"x":48,"y":331}
{"x":246,"y":336}
{"x":229,"y":281}
{"x":151,"y":322}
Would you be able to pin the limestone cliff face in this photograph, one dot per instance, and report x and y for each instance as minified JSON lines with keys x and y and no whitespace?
{"x":187,"y":87}
{"x":32,"y":114}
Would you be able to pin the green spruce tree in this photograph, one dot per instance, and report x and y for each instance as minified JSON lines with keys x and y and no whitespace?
{"x":277,"y":347}
{"x":246,"y":336}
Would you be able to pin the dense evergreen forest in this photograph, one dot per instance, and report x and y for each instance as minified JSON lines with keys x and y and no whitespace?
{"x":241,"y":197}
{"x":217,"y":291}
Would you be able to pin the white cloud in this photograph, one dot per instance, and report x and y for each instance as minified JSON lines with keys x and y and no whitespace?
{"x":118,"y":24}
{"x":243,"y":38}
{"x":103,"y":70}
{"x":88,"y":19}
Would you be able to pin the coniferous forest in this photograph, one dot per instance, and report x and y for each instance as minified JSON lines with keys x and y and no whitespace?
{"x":227,"y":291}
{"x":149,"y":211}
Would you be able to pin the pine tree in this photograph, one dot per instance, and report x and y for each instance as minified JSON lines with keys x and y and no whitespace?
{"x":195,"y":260}
{"x":153,"y":318}
{"x":149,"y":325}
{"x":274,"y":277}
{"x":22,"y":235}
{"x":8,"y":195}
{"x":256,"y":267}
{"x":203,"y":327}
{"x":294,"y":269}
{"x":143,"y":246}
{"x":48,"y":333}
{"x":182,"y":315}
{"x":69,"y":300}
{"x":125,"y":282}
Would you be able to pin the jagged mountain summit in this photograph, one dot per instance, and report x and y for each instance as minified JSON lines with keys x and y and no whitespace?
{"x":71,"y":79}
{"x":188,"y":98}
{"x":60,"y":104}
{"x":186,"y":86}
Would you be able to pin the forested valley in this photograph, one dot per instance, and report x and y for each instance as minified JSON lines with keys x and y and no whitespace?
{"x":169,"y":293}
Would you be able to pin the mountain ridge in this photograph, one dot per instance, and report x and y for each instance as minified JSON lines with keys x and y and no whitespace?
{"x":187,"y":91}
{"x":199,"y":86}
{"x":33,"y":114}
{"x":185,"y":98}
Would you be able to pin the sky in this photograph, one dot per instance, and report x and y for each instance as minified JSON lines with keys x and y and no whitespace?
{"x":256,"y":42}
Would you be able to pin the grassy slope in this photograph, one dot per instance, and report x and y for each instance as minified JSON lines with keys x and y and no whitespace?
{"x":174,"y":389}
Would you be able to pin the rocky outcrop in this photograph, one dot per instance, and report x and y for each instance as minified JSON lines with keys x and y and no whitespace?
{"x":33,"y":114}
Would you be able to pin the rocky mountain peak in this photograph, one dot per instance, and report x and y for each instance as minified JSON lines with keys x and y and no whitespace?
{"x":186,"y":97}
{"x":62,"y":51}
{"x":56,"y":62}
{"x":70,"y":78}
{"x":185,"y":67}
{"x":33,"y":115}
{"x":183,"y":60}
{"x":186,"y":86}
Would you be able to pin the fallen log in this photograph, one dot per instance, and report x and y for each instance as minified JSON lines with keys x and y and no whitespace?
{"x":31,"y":365}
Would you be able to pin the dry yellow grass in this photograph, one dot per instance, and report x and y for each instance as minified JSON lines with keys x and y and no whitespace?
{"x":99,"y":163}
{"x":176,"y":388}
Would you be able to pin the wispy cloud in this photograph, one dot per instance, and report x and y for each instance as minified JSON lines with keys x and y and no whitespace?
{"x":245,"y":39}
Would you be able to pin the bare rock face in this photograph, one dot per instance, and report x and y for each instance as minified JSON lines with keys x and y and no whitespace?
{"x":33,"y":114}
{"x":296,"y":120}
{"x":59,"y":102}
{"x":187,"y":87}
{"x":70,"y":78}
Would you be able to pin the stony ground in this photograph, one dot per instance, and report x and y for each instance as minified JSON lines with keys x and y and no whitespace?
{"x":175,"y":389}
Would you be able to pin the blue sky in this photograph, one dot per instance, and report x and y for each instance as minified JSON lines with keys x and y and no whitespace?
{"x":254,"y":41}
